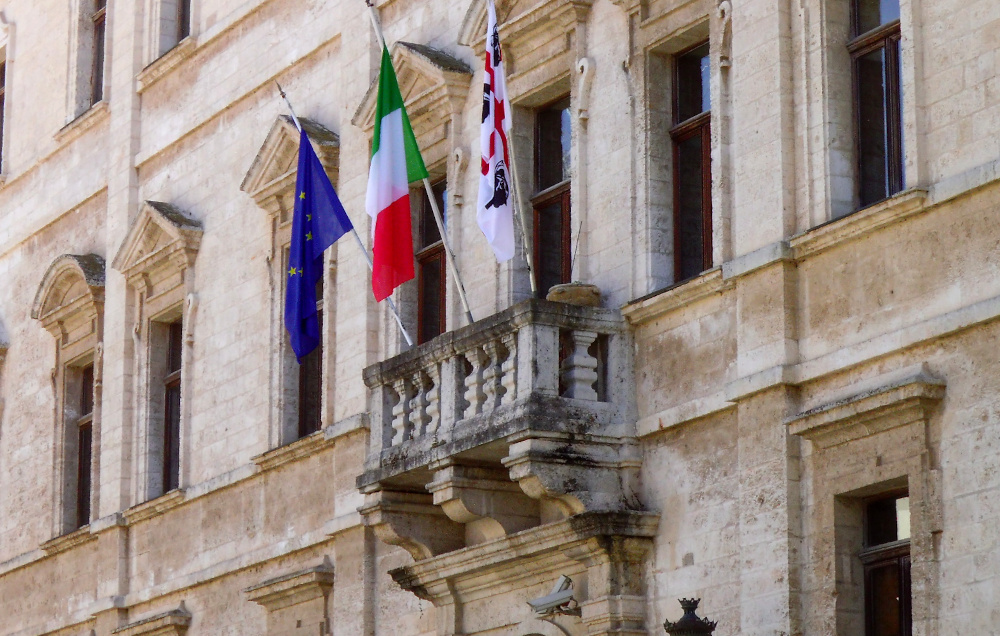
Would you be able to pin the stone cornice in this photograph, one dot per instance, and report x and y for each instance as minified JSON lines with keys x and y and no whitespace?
{"x":672,"y":298}
{"x":167,"y":62}
{"x":893,"y":404}
{"x":68,"y":541}
{"x":299,"y":449}
{"x":154,"y":507}
{"x":172,"y":623}
{"x":96,"y":114}
{"x":292,"y":589}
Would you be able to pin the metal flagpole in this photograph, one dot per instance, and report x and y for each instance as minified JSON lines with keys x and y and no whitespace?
{"x":528,"y":256}
{"x":361,"y":245}
{"x":430,"y":195}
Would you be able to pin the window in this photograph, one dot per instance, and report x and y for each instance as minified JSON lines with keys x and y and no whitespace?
{"x":878,"y":130}
{"x":311,"y":379}
{"x":85,"y":445}
{"x":431,"y":270}
{"x":172,"y":407}
{"x":175,"y":23}
{"x":886,"y":561}
{"x":3,"y":101}
{"x":551,"y":203}
{"x":691,"y":135}
{"x":99,"y":20}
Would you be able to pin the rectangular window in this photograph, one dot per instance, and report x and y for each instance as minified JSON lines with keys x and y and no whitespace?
{"x":691,"y":135}
{"x":311,"y":379}
{"x":3,"y":101}
{"x":551,"y":203}
{"x":99,"y":19}
{"x":183,"y":19}
{"x":431,"y":268}
{"x":84,"y":464}
{"x":886,"y":561}
{"x":875,"y":54}
{"x":172,"y":407}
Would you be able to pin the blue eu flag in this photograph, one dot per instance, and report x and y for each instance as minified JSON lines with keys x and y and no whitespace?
{"x":319,"y":220}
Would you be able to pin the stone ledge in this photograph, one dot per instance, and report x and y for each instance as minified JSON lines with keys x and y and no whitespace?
{"x":299,"y":449}
{"x":893,"y":404}
{"x":694,"y":409}
{"x":172,"y":623}
{"x":346,"y":426}
{"x":154,"y":507}
{"x":162,"y":65}
{"x":84,"y":122}
{"x":757,"y":259}
{"x":672,"y":298}
{"x":68,"y":541}
{"x":898,"y":208}
{"x":292,"y":589}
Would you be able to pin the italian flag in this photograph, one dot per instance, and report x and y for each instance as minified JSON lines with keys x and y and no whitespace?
{"x":396,"y":162}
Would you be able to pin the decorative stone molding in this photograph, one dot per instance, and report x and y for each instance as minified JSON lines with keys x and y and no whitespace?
{"x":293,"y":589}
{"x":167,"y":62}
{"x":160,"y":247}
{"x":172,"y":623}
{"x":306,"y":447}
{"x":434,"y":86}
{"x":68,"y":541}
{"x":154,"y":507}
{"x":71,"y":292}
{"x":521,"y":18}
{"x":271,"y":177}
{"x":881,"y":409}
{"x":411,"y":521}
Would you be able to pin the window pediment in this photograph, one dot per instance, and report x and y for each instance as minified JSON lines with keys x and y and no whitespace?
{"x":72,"y":291}
{"x":162,"y":243}
{"x":434,"y":86}
{"x":272,"y":172}
{"x":521,"y":19}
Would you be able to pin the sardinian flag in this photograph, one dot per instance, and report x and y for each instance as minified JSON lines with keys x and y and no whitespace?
{"x":495,"y":210}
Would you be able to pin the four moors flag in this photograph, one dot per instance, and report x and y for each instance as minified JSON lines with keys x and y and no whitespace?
{"x":396,"y":162}
{"x":494,"y":214}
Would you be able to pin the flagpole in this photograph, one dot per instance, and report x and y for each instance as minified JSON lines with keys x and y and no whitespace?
{"x":528,"y":257}
{"x":361,"y":245}
{"x":435,"y":209}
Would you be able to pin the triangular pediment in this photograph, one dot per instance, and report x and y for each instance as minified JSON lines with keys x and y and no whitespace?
{"x":71,"y":283}
{"x":431,"y":82}
{"x":273,"y":169}
{"x":518,"y":17}
{"x":161,"y":231}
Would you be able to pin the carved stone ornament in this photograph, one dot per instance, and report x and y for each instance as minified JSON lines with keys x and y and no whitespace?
{"x":689,"y":624}
{"x":518,"y":18}
{"x":434,"y":86}
{"x":161,"y":244}
{"x":72,"y":291}
{"x":172,"y":623}
{"x":293,"y":589}
{"x":272,"y":172}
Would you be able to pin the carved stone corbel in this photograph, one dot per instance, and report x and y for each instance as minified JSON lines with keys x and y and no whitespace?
{"x":411,"y":521}
{"x":485,"y":499}
{"x":724,"y":14}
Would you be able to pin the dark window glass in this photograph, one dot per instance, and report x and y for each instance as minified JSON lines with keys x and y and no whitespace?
{"x":183,"y":19}
{"x":84,"y":446}
{"x":553,"y":262}
{"x":431,"y":269}
{"x":871,"y":14}
{"x":886,"y":560}
{"x":172,"y":410}
{"x":692,"y":164}
{"x":553,"y":134}
{"x":97,"y":76}
{"x":87,"y":391}
{"x":875,"y":53}
{"x":311,"y":379}
{"x":693,"y":96}
{"x":3,"y":99}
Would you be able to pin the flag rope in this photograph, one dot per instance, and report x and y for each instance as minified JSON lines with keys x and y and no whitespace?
{"x":361,"y":245}
{"x":453,"y":266}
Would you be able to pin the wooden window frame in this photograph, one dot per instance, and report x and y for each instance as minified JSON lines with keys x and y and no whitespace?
{"x":425,"y":255}
{"x":183,"y":19}
{"x":697,"y":125}
{"x":559,"y":193}
{"x":310,"y":422}
{"x":877,"y":556}
{"x":84,"y":460}
{"x":886,"y":37}
{"x":3,"y":110}
{"x":171,"y":420}
{"x":99,"y":24}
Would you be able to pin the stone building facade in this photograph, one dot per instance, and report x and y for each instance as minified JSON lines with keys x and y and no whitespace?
{"x":786,"y":403}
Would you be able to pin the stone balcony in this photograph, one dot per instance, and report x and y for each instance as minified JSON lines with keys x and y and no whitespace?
{"x":520,"y":419}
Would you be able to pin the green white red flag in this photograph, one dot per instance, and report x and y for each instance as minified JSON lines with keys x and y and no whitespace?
{"x":396,"y":162}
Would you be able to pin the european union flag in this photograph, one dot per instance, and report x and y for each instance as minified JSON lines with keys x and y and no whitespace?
{"x":318,"y":222}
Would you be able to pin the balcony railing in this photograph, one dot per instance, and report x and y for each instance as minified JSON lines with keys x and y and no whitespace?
{"x":539,"y":366}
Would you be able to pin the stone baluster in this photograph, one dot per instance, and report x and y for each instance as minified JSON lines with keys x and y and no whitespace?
{"x":419,"y":403}
{"x":492,"y":375}
{"x":509,"y":369}
{"x":402,"y":429}
{"x":475,"y":397}
{"x":433,"y":394}
{"x":579,"y":369}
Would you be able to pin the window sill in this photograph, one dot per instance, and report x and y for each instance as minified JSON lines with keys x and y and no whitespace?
{"x":893,"y":210}
{"x":676,"y":296}
{"x":167,"y":62}
{"x":306,"y":447}
{"x":90,"y":118}
{"x":68,"y":541}
{"x":154,"y":507}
